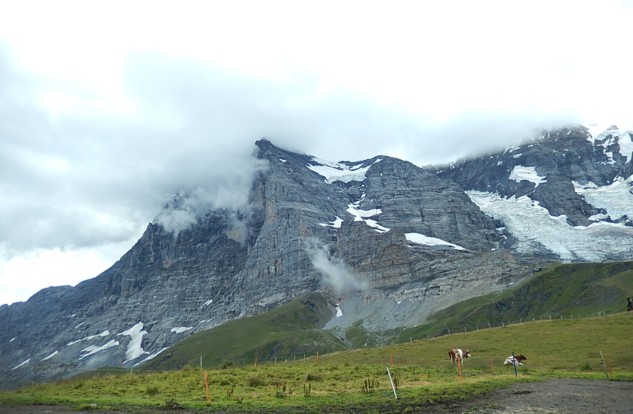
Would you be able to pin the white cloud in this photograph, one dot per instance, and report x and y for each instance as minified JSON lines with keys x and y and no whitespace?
{"x":24,"y":275}
{"x":109,"y":109}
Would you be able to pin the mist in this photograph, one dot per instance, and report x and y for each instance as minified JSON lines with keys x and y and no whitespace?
{"x":335,"y":274}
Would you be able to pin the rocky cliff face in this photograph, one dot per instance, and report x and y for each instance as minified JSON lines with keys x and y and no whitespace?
{"x":389,"y":241}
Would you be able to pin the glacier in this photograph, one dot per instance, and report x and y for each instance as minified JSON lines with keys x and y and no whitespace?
{"x":536,"y":230}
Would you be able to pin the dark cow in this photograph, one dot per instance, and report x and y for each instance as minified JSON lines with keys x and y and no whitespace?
{"x":457,"y":355}
{"x":515,"y":360}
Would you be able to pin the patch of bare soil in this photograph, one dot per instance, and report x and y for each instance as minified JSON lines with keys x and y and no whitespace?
{"x":560,"y":396}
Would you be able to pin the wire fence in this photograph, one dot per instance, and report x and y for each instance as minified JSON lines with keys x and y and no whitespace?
{"x":448,"y":330}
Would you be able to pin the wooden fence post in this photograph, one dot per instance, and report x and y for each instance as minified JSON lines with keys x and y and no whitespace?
{"x":206,"y":386}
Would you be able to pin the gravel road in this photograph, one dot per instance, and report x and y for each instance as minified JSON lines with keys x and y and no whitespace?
{"x":560,"y":396}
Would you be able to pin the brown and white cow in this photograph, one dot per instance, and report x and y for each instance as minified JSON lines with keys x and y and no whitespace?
{"x":517,"y":359}
{"x":457,"y":355}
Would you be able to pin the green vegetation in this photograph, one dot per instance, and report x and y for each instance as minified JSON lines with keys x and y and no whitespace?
{"x":567,"y":291}
{"x":291,"y":332}
{"x":357,"y":379}
{"x":286,"y":333}
{"x":563,"y":319}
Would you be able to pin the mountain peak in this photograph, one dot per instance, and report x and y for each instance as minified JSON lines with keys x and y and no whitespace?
{"x":395,"y":238}
{"x":263,"y":142}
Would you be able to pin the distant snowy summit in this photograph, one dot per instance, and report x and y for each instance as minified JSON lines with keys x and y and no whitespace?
{"x":566,"y":192}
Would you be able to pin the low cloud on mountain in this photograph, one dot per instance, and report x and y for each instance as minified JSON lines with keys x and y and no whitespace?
{"x":101,"y":128}
{"x":335,"y":274}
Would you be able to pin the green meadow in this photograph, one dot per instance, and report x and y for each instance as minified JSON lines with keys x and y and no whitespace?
{"x":592,"y":347}
{"x":568,"y":320}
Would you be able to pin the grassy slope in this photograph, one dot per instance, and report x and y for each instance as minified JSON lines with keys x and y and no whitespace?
{"x":287,"y":332}
{"x":543,"y":342}
{"x":335,"y":382}
{"x":290,"y":331}
{"x":562,"y":290}
{"x":422,"y":366}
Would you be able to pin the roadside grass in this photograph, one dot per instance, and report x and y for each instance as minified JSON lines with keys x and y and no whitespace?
{"x":357,"y":379}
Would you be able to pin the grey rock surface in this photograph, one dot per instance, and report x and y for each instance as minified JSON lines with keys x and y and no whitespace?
{"x":389,"y":241}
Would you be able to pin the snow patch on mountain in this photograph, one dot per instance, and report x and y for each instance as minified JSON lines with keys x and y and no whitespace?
{"x":21,"y":365}
{"x":88,"y":338}
{"x":336,"y":224}
{"x":152,"y":356}
{"x":622,"y":138}
{"x":536,"y":230}
{"x":134,"y":348}
{"x":336,"y":171}
{"x":93,"y":349}
{"x":521,"y":173}
{"x":616,"y":198}
{"x":513,"y":148}
{"x":626,"y":146}
{"x":363,"y":215}
{"x":430,"y":241}
{"x":181,"y":329}
{"x":50,"y":356}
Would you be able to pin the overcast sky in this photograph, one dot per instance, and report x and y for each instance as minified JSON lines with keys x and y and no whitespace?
{"x":107,"y":109}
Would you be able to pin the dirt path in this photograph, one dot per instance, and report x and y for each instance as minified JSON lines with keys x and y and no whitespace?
{"x":561,"y":396}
